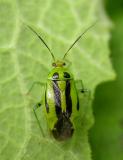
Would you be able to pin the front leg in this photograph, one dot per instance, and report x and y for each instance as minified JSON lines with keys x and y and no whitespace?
{"x":36,"y":116}
{"x":81,"y":86}
{"x":82,"y":89}
{"x":34,"y":83}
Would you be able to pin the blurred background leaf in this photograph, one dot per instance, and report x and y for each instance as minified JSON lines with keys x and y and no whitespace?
{"x":23,"y":60}
{"x":107,"y":132}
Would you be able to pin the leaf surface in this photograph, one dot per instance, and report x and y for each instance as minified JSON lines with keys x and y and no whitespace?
{"x":23,"y":60}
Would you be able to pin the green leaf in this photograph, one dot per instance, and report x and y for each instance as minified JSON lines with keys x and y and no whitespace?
{"x":107,"y":133}
{"x":24,"y":60}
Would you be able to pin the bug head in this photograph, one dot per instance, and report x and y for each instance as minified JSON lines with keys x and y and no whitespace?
{"x":59,"y":64}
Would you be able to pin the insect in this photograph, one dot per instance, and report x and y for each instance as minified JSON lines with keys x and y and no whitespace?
{"x":61,"y":100}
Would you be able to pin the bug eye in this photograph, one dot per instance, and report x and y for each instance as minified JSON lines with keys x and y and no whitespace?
{"x":66,"y":75}
{"x":54,"y":64}
{"x":64,"y":64}
{"x":55,"y":75}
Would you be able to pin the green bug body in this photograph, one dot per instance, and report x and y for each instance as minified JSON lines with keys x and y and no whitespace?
{"x":61,"y":102}
{"x":61,"y":97}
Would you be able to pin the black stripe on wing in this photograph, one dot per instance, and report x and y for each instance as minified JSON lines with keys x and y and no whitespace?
{"x":68,"y":98}
{"x":57,"y":98}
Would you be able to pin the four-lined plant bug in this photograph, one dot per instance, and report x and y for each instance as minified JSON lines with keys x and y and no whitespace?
{"x":61,"y":100}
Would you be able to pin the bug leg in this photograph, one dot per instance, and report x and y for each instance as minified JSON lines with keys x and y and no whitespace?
{"x":34,"y":110}
{"x":82,"y":89}
{"x":34,"y":83}
{"x":81,"y":86}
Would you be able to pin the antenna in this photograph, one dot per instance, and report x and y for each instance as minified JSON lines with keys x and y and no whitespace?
{"x":41,"y":41}
{"x":78,"y":39}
